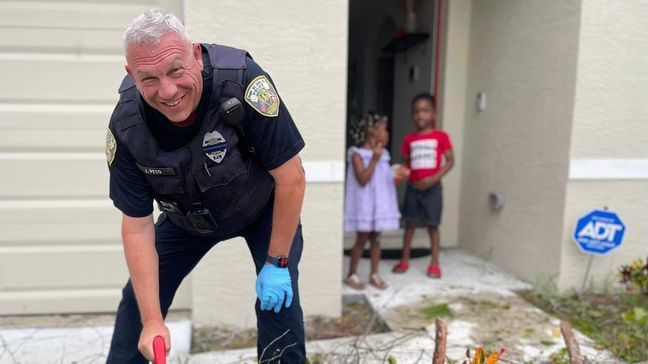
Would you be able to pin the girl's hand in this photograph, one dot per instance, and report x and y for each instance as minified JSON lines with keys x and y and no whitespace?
{"x":400,"y":173}
{"x":377,"y":151}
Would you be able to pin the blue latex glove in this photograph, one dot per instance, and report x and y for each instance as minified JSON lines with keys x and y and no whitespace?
{"x":273,"y":286}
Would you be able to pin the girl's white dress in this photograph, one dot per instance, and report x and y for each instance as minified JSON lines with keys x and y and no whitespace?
{"x":374,"y":206}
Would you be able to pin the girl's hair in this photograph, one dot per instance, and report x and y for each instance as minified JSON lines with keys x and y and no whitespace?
{"x":359,"y":128}
{"x":150,"y":26}
{"x":425,"y":96}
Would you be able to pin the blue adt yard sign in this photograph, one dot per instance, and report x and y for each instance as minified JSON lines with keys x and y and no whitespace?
{"x":599,"y":232}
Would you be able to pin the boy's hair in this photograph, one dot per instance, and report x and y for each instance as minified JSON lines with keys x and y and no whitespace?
{"x":358,"y":129}
{"x":425,"y":96}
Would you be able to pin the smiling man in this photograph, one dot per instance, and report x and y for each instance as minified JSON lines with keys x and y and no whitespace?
{"x":201,"y":129}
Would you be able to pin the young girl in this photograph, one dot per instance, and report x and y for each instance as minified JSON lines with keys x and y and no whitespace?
{"x":370,"y":204}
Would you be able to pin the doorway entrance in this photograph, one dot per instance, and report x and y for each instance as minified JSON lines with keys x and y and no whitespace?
{"x":391,"y":58}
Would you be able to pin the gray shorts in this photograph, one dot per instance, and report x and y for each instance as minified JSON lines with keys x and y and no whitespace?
{"x":424,"y":207}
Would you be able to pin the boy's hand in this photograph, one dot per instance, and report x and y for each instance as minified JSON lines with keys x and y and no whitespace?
{"x":427,"y":182}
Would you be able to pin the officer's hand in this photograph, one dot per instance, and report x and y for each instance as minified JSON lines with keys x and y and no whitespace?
{"x":149,"y":332}
{"x":273,"y":285}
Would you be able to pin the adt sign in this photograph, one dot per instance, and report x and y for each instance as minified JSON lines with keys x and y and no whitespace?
{"x":599,"y":232}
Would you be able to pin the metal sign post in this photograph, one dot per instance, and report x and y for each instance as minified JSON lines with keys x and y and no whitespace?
{"x":587,"y":272}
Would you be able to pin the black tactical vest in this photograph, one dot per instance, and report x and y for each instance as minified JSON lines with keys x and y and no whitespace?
{"x":205,"y":196}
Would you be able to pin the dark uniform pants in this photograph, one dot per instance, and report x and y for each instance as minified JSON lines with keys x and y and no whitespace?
{"x":281,"y":335}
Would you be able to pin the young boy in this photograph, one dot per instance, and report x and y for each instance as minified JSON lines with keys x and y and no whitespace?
{"x":422,"y":153}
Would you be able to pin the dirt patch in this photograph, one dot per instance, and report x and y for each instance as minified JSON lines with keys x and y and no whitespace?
{"x":357,"y":318}
{"x":73,"y":320}
{"x":210,"y":338}
{"x":486,"y":319}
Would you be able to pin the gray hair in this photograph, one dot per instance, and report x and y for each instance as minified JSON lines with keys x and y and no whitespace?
{"x":150,"y":26}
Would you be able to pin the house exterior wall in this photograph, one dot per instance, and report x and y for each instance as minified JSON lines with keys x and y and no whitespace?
{"x":452,"y":109}
{"x":60,"y":243}
{"x":609,"y":149}
{"x":304,"y":48}
{"x":523,"y":55}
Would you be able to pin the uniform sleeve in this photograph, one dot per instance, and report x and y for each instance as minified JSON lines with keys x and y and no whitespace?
{"x":129,"y":189}
{"x":276,"y":139}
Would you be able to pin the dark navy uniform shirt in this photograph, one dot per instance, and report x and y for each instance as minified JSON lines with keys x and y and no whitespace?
{"x":275,"y":139}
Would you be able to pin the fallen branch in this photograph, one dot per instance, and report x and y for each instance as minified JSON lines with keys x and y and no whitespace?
{"x":571,"y":343}
{"x":440,"y":342}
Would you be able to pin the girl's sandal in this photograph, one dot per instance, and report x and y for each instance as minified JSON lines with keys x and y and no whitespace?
{"x":354,"y":282}
{"x":377,"y":282}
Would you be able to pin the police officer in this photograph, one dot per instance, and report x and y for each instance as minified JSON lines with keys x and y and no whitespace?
{"x":201,"y":129}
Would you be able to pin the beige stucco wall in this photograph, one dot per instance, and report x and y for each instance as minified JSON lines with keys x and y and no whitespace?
{"x":60,"y":243}
{"x":452,"y":110}
{"x":523,"y":56}
{"x":610,"y":116}
{"x":610,"y":111}
{"x":303,"y":46}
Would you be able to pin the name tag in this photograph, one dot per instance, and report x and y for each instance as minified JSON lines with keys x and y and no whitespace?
{"x":157,"y":171}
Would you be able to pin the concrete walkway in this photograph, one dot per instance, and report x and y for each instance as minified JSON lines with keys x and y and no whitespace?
{"x":485,"y":311}
{"x":73,"y":345}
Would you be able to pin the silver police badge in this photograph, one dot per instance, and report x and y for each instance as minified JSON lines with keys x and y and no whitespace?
{"x":214,"y":146}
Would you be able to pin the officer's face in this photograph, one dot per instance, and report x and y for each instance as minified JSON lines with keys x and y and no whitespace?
{"x":168,"y":75}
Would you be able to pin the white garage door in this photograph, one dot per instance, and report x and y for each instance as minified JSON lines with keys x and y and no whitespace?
{"x":60,"y":66}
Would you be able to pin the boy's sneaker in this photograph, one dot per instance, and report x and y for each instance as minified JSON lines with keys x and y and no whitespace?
{"x":400,"y":267}
{"x":434,"y":271}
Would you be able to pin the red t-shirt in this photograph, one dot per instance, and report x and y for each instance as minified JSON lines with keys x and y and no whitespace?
{"x":425,"y":152}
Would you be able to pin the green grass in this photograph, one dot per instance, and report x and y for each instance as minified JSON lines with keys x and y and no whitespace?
{"x":560,"y":357}
{"x":547,"y":342}
{"x":442,"y":310}
{"x":614,"y":321}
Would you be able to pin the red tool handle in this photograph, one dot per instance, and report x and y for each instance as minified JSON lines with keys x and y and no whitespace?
{"x":159,"y":350}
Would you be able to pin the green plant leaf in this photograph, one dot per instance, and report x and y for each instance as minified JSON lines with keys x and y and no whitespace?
{"x":640,"y":314}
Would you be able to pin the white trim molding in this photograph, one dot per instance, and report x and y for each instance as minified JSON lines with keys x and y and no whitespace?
{"x":324,"y":171}
{"x":608,"y":169}
{"x":328,"y":171}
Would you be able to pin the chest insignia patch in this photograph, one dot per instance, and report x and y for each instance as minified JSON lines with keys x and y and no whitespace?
{"x":111,"y":147}
{"x":214,"y":146}
{"x":262,"y":96}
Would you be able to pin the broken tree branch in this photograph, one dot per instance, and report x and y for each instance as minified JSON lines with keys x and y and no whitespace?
{"x":440,"y":342}
{"x":571,"y":343}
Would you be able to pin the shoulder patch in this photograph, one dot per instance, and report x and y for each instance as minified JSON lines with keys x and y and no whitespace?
{"x":111,"y":146}
{"x":262,"y":96}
